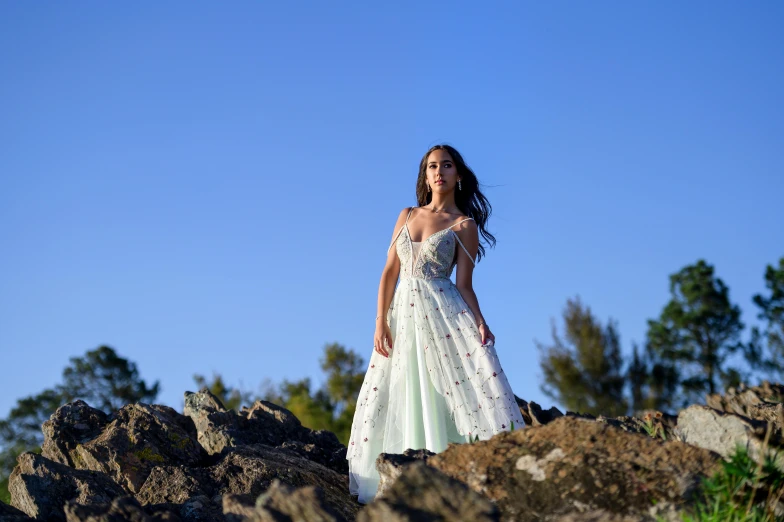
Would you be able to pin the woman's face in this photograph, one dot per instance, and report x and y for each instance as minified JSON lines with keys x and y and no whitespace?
{"x":441,"y":171}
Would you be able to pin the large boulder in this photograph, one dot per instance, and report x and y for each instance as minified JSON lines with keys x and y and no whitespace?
{"x":424,"y":493}
{"x":575,"y":465}
{"x":281,"y":503}
{"x":120,"y":509}
{"x":760,"y":403}
{"x":40,"y":487}
{"x":391,"y":465}
{"x":722,"y":432}
{"x":125,"y":445}
{"x":534,"y":415}
{"x":262,"y":423}
{"x":246,"y":470}
{"x":9,"y":513}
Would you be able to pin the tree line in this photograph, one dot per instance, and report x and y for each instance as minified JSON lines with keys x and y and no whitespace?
{"x":687,"y":353}
{"x":695,"y":347}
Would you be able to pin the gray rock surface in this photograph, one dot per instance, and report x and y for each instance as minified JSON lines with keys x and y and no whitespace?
{"x":423,"y":493}
{"x":40,"y":487}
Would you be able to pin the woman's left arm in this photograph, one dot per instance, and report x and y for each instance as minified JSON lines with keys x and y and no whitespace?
{"x":469,"y":235}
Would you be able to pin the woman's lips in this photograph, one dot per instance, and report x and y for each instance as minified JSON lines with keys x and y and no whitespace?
{"x":439,"y":182}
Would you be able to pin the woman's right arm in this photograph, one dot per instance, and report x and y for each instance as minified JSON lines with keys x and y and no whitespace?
{"x":386,"y":287}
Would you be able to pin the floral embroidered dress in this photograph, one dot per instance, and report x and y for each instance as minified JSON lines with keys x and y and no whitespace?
{"x":439,"y":384}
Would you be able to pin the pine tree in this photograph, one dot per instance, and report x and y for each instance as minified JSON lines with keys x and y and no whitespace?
{"x":696,"y":333}
{"x":583,"y":371}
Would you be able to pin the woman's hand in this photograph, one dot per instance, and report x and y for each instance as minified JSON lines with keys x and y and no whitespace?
{"x":382,"y":335}
{"x":487,"y":335}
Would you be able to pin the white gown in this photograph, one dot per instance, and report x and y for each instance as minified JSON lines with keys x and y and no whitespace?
{"x":439,"y":384}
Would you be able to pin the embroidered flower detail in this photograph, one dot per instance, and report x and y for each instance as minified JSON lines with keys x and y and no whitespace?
{"x":352,"y":442}
{"x":436,"y":308}
{"x":365,"y":439}
{"x":457,"y":383}
{"x":494,"y":374}
{"x":375,"y":388}
{"x":412,"y":304}
{"x":448,"y":336}
{"x":425,"y":317}
{"x":462,"y":311}
{"x":502,"y":427}
{"x":440,"y":289}
{"x":468,"y":355}
{"x":372,"y":365}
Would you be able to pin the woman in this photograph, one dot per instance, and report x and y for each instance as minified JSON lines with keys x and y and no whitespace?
{"x":433,"y":377}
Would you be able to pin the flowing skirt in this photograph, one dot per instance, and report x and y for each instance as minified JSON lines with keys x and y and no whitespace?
{"x":439,"y":384}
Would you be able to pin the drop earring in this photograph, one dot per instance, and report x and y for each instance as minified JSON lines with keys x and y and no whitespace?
{"x":458,"y":185}
{"x":428,"y":187}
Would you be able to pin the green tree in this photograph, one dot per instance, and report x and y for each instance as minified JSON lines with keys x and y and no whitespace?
{"x":765,"y":352}
{"x":101,"y":378}
{"x":584,"y":370}
{"x":652,"y":380}
{"x":696,"y":333}
{"x":330,"y":407}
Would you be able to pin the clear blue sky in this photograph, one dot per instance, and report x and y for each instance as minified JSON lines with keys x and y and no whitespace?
{"x":212,"y":187}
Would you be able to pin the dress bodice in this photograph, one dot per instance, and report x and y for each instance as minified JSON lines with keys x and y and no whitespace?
{"x":433,"y":257}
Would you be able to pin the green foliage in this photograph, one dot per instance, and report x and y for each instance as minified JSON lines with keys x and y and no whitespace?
{"x":101,"y":378}
{"x":332,"y":406}
{"x":653,"y":379}
{"x":696,"y":333}
{"x":232,"y":398}
{"x":653,"y":426}
{"x":766,"y":349}
{"x":742,"y":490}
{"x":583,"y":371}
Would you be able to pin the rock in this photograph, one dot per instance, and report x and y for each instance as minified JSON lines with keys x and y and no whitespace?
{"x":246,"y":470}
{"x":122,"y":508}
{"x":391,"y":465}
{"x":9,"y":513}
{"x":574,"y":465}
{"x":41,"y":487}
{"x":281,"y":503}
{"x":126,"y":446}
{"x":238,"y":507}
{"x":424,"y":493}
{"x":263,"y":423}
{"x":762,"y":403}
{"x":72,"y":424}
{"x":533,"y":415}
{"x":721,"y":432}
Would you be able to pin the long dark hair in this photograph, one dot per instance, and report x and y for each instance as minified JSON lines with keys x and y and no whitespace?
{"x":469,"y":199}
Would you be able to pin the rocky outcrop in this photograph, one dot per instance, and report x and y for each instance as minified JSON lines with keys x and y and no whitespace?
{"x":534,"y":415}
{"x":126,"y":445}
{"x":120,"y":509}
{"x":263,"y":423}
{"x":723,"y":432}
{"x":247,"y":470}
{"x":40,"y":487}
{"x":762,"y":403}
{"x":391,"y":465}
{"x":281,"y":503}
{"x":422,"y":492}
{"x":150,"y":463}
{"x":9,"y":513}
{"x":575,"y":465}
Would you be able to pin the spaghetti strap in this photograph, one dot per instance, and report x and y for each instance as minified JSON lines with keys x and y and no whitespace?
{"x":461,"y":243}
{"x":464,"y":220}
{"x":401,"y":229}
{"x":465,"y":249}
